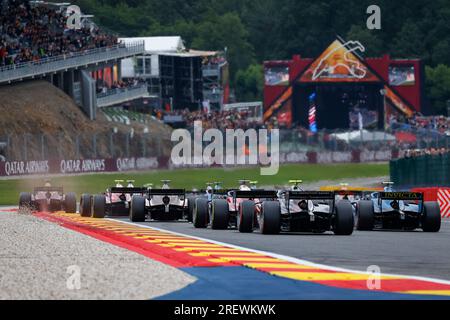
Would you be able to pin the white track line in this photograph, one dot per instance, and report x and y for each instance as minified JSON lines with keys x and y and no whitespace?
{"x":287,"y":258}
{"x":8,"y":208}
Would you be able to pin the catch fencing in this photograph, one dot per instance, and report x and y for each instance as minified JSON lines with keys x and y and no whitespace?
{"x":29,"y":147}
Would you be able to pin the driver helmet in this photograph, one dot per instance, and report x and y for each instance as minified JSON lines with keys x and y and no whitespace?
{"x":244,"y":187}
{"x":165,"y":184}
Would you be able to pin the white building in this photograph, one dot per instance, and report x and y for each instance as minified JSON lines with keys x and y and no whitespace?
{"x":175,"y":75}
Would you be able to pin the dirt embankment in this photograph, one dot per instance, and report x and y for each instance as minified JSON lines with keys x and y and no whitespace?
{"x":39,"y":121}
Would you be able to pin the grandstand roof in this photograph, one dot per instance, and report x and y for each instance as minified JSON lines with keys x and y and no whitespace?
{"x":159,"y":44}
{"x":168,"y":46}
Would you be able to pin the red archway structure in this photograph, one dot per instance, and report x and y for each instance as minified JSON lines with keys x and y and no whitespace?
{"x":340,"y":79}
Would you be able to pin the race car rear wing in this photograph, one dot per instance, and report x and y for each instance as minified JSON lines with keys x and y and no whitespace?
{"x":349,"y":192}
{"x":310,"y":195}
{"x":166,"y":192}
{"x":128,"y":190}
{"x":48,"y":189}
{"x":413,"y":196}
{"x":222,"y":191}
{"x":260,"y":194}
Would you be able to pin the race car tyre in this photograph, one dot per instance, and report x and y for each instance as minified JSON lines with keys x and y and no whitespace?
{"x":191,"y":205}
{"x":270,"y":219}
{"x":344,"y":220}
{"x":364,"y":215}
{"x":98,"y":206}
{"x":219,"y":214}
{"x":25,"y":200}
{"x":70,"y":203}
{"x":246,"y":216}
{"x":85,"y":205}
{"x":200,"y":215}
{"x":431,"y":221}
{"x":137,"y":209}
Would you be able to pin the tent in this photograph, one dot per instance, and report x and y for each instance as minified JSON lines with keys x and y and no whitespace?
{"x":363,"y":136}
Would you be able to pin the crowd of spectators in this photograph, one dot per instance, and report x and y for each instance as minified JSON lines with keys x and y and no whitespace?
{"x":104,"y":88}
{"x":439,"y":124}
{"x":214,"y":60}
{"x":30,"y":33}
{"x":221,"y":120}
{"x":413,"y":153}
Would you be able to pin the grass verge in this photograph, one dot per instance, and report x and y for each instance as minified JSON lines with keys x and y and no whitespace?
{"x":196,"y":178}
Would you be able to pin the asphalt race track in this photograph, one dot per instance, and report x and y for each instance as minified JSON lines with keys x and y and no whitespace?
{"x":396,"y":252}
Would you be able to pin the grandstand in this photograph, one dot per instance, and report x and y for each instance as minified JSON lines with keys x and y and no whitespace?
{"x":36,"y":44}
{"x":121,"y":115}
{"x":51,"y":74}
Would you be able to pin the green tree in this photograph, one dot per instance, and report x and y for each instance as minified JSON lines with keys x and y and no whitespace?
{"x":226,"y":31}
{"x":368,"y":39}
{"x":249,"y":83}
{"x":438,"y":87}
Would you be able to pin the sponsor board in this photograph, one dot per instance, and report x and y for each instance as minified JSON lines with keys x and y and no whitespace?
{"x":81,"y":166}
{"x":77,"y":166}
{"x":17,"y":168}
{"x":131,"y":164}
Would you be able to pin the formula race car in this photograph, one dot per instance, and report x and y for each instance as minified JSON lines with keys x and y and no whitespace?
{"x":114,"y":202}
{"x":213,"y":190}
{"x":309,"y":211}
{"x":163,"y":204}
{"x":397,"y":210}
{"x":48,"y":198}
{"x":233,"y":209}
{"x":351,"y":193}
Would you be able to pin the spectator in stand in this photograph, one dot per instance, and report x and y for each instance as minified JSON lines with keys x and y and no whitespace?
{"x":103,"y":87}
{"x":33,"y":33}
{"x":217,"y":119}
{"x":426,"y":152}
{"x":439,"y":124}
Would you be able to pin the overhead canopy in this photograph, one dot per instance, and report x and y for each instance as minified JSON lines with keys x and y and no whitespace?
{"x":158,"y":44}
{"x":363,"y":136}
{"x":168,"y":46}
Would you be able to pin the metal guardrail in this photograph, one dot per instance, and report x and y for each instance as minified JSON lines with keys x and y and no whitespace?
{"x":117,"y":96}
{"x":67,"y":61}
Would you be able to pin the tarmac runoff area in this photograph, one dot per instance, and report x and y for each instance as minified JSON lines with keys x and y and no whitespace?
{"x":40,"y":260}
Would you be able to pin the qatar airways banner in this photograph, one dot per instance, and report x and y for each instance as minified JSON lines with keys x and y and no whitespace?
{"x":78,"y":166}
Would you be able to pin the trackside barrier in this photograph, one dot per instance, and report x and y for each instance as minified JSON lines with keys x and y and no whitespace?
{"x":421,"y":171}
{"x":93,"y":165}
{"x":78,"y":166}
{"x":441,"y":195}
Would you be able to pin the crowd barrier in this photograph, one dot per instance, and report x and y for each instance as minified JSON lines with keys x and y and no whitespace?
{"x":421,"y":171}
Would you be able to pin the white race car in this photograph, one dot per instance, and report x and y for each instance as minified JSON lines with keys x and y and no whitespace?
{"x":164,"y":204}
{"x":48,"y":198}
{"x":311,"y":211}
{"x":114,"y":202}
